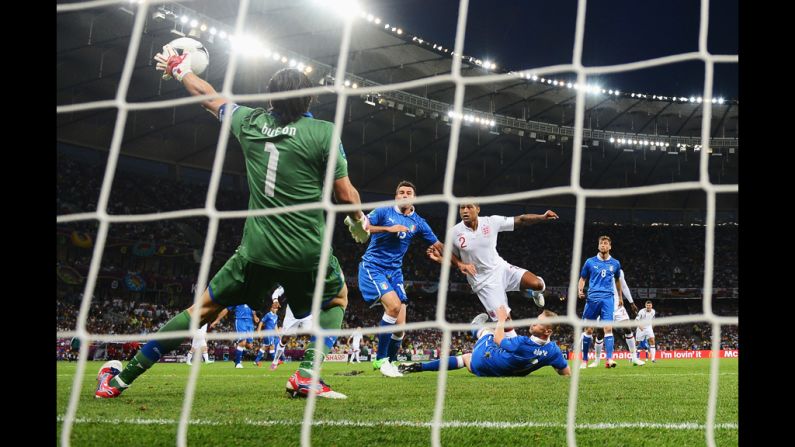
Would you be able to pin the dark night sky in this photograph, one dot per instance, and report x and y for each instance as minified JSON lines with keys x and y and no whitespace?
{"x":520,"y":34}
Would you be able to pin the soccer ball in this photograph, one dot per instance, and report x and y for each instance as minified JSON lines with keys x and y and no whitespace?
{"x":199,"y":57}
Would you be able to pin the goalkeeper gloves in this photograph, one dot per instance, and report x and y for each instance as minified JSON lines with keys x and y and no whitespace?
{"x":359,"y":228}
{"x":173,"y":64}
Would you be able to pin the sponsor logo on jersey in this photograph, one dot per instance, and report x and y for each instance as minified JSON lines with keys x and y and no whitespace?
{"x":486,"y":230}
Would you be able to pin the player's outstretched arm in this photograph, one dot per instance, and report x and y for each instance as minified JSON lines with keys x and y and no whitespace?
{"x":179,"y":66}
{"x":391,"y":229}
{"x":434,"y":253}
{"x":220,"y":316}
{"x":527,"y":219}
{"x":357,"y":222}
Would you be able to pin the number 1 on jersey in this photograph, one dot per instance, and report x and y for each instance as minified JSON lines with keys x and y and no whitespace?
{"x":273,"y":162}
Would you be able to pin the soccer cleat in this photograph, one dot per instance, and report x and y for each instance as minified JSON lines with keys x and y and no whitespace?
{"x":188,"y":363}
{"x":106,"y":373}
{"x":238,"y":365}
{"x":610,"y":364}
{"x":377,"y":363}
{"x":594,"y":364}
{"x":537,"y":297}
{"x":406,"y":368}
{"x":274,"y":366}
{"x":583,"y":365}
{"x":298,"y":386}
{"x":210,"y":361}
{"x":479,"y":320}
{"x":258,"y":364}
{"x":637,"y":362}
{"x":389,"y":369}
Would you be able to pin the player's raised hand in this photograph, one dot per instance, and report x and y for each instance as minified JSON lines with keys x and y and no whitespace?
{"x":502,"y":314}
{"x":550,"y":215}
{"x":162,"y":60}
{"x":173,"y":63}
{"x":359,"y":229}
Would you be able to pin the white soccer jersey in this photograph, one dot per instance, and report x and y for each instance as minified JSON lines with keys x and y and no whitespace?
{"x":357,"y":341}
{"x":199,"y":340}
{"x":624,"y":290}
{"x":645,"y":316}
{"x":479,"y":247}
{"x":291,"y":324}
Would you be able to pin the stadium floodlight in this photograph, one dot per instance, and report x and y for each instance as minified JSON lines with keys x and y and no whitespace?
{"x":284,"y":59}
{"x":487,"y":64}
{"x":194,"y":23}
{"x":354,"y":85}
{"x":347,"y":83}
{"x":720,"y":100}
{"x":301,"y":66}
{"x":699,"y":100}
{"x":213,"y":31}
{"x":222,"y":34}
{"x":184,"y":19}
{"x":612,"y":140}
{"x":247,"y":46}
{"x":276,"y":56}
{"x":308,"y":69}
{"x":534,"y":77}
{"x":293,"y":63}
{"x":377,"y":20}
{"x":692,"y":99}
{"x":370,"y":17}
{"x":617,"y":92}
{"x":399,"y":31}
{"x":203,"y":27}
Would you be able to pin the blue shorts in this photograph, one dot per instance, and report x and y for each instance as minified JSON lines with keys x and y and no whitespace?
{"x":599,"y":307}
{"x":374,"y":282}
{"x":481,"y":361}
{"x":244,"y":326}
{"x":273,"y":340}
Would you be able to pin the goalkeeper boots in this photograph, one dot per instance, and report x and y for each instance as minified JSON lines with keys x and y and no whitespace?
{"x":107,"y":372}
{"x":298,"y":386}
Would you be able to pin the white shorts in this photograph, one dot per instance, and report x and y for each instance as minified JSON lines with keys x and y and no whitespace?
{"x":644,"y":334}
{"x":292,"y":324}
{"x":200,"y":340}
{"x":507,"y":279}
{"x":620,"y":314}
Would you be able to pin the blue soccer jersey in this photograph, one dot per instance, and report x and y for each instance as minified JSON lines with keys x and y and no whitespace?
{"x":269,"y":321}
{"x":518,"y":356}
{"x":244,"y":322}
{"x":601,"y":275}
{"x":386,"y":250}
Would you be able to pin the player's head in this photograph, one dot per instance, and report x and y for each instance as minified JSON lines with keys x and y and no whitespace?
{"x":605,"y":244}
{"x":648,"y":304}
{"x":468,"y":211}
{"x":405,"y":194}
{"x":289,"y":109}
{"x":543,"y":330}
{"x":275,"y":306}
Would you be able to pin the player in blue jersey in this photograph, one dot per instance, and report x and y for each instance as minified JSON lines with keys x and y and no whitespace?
{"x":602,"y":272}
{"x":244,"y":322}
{"x":496,"y":355}
{"x":269,"y":322}
{"x":380,"y":275}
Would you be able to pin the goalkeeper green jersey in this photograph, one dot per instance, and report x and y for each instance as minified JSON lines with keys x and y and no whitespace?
{"x":286,"y":166}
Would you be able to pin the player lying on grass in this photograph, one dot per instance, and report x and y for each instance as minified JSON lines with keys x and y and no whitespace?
{"x":497,"y":356}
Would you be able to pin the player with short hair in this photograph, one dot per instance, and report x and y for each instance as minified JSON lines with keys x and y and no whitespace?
{"x":286,"y":152}
{"x":245,"y":317}
{"x":380,"y":270}
{"x":475,"y":249}
{"x":603,"y":273}
{"x":645,"y":332}
{"x":496,"y":355}
{"x":270,"y":321}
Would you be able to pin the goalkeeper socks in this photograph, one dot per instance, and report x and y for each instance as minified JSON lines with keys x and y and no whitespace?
{"x":394,"y":347}
{"x":152,"y":350}
{"x":586,"y":346}
{"x":239,"y":354}
{"x":329,"y":319}
{"x":609,"y":346}
{"x":384,"y":339}
{"x":452,"y":363}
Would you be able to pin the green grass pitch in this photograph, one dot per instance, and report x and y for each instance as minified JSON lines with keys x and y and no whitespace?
{"x":656,"y":404}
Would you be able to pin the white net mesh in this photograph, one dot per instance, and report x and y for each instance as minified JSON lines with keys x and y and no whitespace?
{"x":210,"y":211}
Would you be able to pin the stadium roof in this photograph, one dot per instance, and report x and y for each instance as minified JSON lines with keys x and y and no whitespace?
{"x":396,"y":134}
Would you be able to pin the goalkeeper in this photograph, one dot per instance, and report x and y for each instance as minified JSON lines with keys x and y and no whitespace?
{"x":286,"y":152}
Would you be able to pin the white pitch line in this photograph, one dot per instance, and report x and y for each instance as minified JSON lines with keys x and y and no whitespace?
{"x":448,"y":424}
